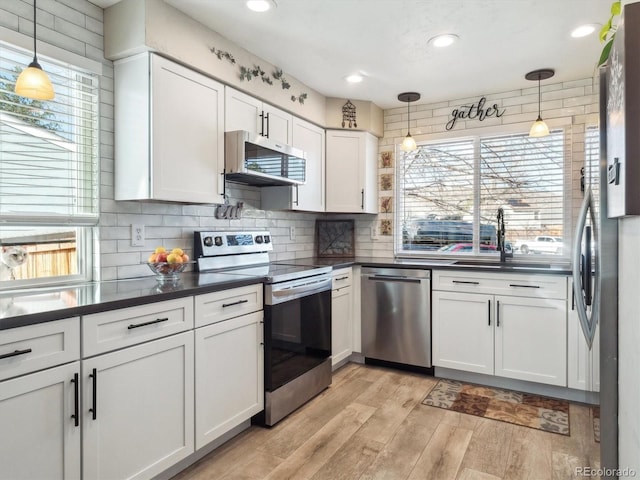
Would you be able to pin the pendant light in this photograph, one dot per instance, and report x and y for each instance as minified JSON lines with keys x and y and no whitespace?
{"x":33,"y":82}
{"x":408,"y":144}
{"x":539,"y":128}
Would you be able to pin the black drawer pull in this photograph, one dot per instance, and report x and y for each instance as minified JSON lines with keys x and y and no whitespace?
{"x":489,"y":312}
{"x":342,"y":278}
{"x":15,"y":353}
{"x":467,"y":282}
{"x":94,"y":409}
{"x":76,"y":402}
{"x":523,"y":286}
{"x":239,"y":302}
{"x":497,"y":313}
{"x":152,"y":322}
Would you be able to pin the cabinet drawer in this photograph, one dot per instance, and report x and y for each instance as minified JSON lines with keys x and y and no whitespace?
{"x":519,"y":285}
{"x":35,"y":347}
{"x":106,"y":331}
{"x":217,"y":306}
{"x":341,"y":278}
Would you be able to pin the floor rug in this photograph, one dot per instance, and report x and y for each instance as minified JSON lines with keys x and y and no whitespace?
{"x":534,"y":411}
{"x":595,"y":419}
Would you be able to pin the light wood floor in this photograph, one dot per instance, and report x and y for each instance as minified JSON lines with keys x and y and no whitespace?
{"x":370,"y":424}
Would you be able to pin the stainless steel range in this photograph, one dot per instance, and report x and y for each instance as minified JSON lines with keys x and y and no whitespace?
{"x":297,"y":316}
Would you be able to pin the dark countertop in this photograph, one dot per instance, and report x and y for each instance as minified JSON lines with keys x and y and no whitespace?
{"x":36,"y":305}
{"x":510,"y":266}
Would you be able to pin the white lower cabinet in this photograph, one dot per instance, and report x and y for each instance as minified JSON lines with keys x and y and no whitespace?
{"x":341,"y":316}
{"x":138,"y":409}
{"x":518,"y":337}
{"x":463,"y":331}
{"x":229,"y":375}
{"x":40,"y":439}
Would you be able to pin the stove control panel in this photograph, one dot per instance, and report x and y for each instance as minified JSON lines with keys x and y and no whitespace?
{"x":213,"y":244}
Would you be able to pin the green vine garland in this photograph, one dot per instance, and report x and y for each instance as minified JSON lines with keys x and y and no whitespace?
{"x":608,"y":33}
{"x":249,"y":73}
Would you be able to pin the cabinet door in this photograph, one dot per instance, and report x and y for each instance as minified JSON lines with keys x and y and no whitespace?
{"x":278,"y":124}
{"x":187,"y":118}
{"x":462,"y":326}
{"x":229,"y":375}
{"x":341,"y":324}
{"x":39,"y":438}
{"x":345,"y":157}
{"x":142,"y":400}
{"x":242,"y":112}
{"x":531,"y":339}
{"x":582,"y":364}
{"x":370,"y":174}
{"x":311,"y":140}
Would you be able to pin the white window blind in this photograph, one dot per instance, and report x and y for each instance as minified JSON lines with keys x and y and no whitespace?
{"x":48,"y":149}
{"x":449,"y":192}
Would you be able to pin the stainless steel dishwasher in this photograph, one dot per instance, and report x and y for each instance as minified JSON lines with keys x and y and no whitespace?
{"x":396,"y":315}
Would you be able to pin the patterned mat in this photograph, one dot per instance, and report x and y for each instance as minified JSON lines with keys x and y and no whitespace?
{"x":524,"y":409}
{"x":595,"y":418}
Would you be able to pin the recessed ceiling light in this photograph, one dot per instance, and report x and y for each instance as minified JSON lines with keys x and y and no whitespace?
{"x":354,"y":78}
{"x":260,"y":5}
{"x":443,"y":40}
{"x":584,"y":30}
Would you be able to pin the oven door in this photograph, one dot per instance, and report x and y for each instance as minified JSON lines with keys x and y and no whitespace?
{"x":297,"y":334}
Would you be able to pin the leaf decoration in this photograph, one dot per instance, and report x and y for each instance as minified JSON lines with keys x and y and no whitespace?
{"x":249,"y":73}
{"x":616,"y":8}
{"x":605,"y":53}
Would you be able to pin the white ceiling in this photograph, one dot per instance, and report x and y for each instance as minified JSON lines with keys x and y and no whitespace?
{"x":321,"y":41}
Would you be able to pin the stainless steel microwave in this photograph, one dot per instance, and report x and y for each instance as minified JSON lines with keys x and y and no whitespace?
{"x":252,"y":159}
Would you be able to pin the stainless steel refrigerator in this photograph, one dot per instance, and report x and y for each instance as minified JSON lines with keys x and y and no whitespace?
{"x":595,"y":287}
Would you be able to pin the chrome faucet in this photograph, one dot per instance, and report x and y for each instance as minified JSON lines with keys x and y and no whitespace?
{"x":502,"y":247}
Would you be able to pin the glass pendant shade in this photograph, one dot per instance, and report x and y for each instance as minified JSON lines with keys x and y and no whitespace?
{"x":539,"y":128}
{"x":408,"y":144}
{"x":34,"y":83}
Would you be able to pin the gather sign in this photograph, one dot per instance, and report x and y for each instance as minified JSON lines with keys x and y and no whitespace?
{"x":473,"y":111}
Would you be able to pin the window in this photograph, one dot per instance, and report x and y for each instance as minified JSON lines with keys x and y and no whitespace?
{"x":48,"y":173}
{"x":450,"y":191}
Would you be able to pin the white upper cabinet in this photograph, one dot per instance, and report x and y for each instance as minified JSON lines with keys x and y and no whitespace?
{"x":244,"y":112}
{"x":169,"y":124}
{"x":352,"y":171}
{"x":308,"y":197}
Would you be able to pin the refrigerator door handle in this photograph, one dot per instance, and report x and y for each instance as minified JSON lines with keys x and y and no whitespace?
{"x":588,"y":322}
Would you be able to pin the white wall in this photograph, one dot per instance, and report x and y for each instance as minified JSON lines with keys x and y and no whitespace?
{"x":629,"y":343}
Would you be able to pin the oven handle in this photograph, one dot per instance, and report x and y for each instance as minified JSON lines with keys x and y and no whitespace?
{"x":309,"y":287}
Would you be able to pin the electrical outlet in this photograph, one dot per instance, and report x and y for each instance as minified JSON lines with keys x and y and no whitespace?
{"x":374,"y":232}
{"x":292,"y":233}
{"x":137,"y":235}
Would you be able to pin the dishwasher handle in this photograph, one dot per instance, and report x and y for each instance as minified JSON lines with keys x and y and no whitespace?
{"x":394,"y":278}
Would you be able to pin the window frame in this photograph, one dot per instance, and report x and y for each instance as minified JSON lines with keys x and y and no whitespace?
{"x":475,"y":135}
{"x":86,"y":233}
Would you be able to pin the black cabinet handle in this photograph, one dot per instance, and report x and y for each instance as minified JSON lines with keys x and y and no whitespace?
{"x":523,"y":286}
{"x":76,"y":402}
{"x":262,"y":124}
{"x":94,"y":407}
{"x":489,"y":312}
{"x":16,"y":353}
{"x":225,"y":305}
{"x":267,"y":117}
{"x":497,"y":313}
{"x":362,"y":201}
{"x":342,"y":278}
{"x":144,"y":324}
{"x":468,"y":282}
